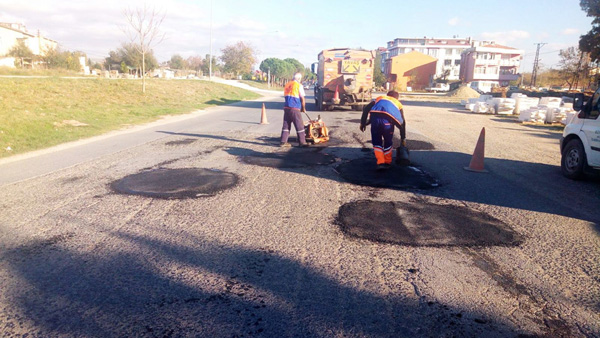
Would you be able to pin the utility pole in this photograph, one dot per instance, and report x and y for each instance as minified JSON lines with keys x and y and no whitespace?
{"x":210,"y":55}
{"x":536,"y":63}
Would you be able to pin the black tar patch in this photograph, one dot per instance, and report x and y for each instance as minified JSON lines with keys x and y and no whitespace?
{"x":176,"y":183}
{"x":363,"y":171}
{"x":293,"y":158}
{"x":422,"y":223}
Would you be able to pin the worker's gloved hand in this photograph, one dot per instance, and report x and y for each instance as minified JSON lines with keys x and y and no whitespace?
{"x":363,"y":128}
{"x":403,"y":142}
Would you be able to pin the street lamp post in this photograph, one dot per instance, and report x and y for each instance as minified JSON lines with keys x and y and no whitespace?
{"x":210,"y":44}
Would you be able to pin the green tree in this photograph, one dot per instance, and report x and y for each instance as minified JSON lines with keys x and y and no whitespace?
{"x":378,"y":76}
{"x":216,"y":66}
{"x":128,"y":54}
{"x":278,"y":68}
{"x":590,"y":42}
{"x":309,"y":75}
{"x":298,"y":67}
{"x":238,"y":59}
{"x":20,"y":51}
{"x":177,"y":62}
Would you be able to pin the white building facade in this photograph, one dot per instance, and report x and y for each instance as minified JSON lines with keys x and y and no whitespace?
{"x":11,"y":33}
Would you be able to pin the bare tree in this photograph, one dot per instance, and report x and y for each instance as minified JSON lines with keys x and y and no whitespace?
{"x":144,"y":33}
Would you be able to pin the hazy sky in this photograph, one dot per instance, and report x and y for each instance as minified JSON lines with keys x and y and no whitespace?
{"x":302,"y":28}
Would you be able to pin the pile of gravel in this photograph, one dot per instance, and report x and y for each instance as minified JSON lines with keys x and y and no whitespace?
{"x":464,"y":92}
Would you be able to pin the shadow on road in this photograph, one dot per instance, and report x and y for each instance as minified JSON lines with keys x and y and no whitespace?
{"x":514,"y":184}
{"x":111,"y":292}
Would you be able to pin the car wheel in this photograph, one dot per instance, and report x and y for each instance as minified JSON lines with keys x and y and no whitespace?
{"x":573,"y":160}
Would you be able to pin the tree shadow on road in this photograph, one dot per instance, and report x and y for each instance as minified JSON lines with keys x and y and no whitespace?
{"x":135,"y":285}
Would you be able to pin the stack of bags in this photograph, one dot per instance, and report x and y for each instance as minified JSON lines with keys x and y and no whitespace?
{"x":502,"y":106}
{"x":478,"y":105}
{"x":522,"y":102}
{"x":534,"y":114}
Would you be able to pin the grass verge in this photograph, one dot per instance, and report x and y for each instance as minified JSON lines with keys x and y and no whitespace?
{"x":261,"y":85}
{"x":37,"y":113}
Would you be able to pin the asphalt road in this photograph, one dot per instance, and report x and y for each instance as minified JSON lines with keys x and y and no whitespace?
{"x":271,"y":256}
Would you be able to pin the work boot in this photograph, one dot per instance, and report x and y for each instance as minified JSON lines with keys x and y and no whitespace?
{"x":304,"y":145}
{"x":285,"y":145}
{"x":382,"y":167}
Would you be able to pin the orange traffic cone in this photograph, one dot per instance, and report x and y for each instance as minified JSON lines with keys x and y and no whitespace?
{"x":263,"y":116}
{"x":336,"y":95}
{"x":476,"y":164}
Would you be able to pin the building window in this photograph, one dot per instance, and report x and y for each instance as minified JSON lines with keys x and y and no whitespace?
{"x":457,"y":62}
{"x":447,"y":62}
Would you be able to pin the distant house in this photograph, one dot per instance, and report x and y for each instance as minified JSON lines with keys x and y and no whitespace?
{"x":413,"y":69}
{"x":11,"y":33}
{"x":489,"y":62}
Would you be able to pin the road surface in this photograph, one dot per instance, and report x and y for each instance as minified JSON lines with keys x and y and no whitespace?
{"x":271,"y":255}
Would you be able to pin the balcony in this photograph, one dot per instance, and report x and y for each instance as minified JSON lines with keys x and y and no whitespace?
{"x":508,"y":77}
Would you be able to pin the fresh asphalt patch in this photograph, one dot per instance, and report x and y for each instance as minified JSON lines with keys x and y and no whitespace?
{"x":422,"y":223}
{"x":292,"y":158}
{"x":184,"y":141}
{"x":363,"y":171}
{"x":176,"y":183}
{"x":332,"y":142}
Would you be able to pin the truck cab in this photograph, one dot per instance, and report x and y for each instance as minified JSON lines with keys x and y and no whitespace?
{"x":580,"y":143}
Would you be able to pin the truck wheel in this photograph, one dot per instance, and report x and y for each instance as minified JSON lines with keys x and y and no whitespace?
{"x":573,"y":160}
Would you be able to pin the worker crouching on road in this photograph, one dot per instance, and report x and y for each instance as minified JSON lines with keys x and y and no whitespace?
{"x":295,"y":104}
{"x":384,"y":113}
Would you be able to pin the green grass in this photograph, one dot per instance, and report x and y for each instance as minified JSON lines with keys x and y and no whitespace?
{"x":37,"y":72}
{"x":33,"y":110}
{"x":261,"y":85}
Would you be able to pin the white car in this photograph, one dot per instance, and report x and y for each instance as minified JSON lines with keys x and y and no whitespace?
{"x":580,"y":143}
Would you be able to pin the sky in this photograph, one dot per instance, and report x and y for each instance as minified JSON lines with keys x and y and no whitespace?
{"x":300,"y":29}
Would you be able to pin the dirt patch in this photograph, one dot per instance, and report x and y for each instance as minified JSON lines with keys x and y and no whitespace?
{"x":464,"y":92}
{"x":422,"y":223}
{"x":176,"y":183}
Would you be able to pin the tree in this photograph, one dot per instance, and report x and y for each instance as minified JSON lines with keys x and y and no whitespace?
{"x":177,"y":62}
{"x":277,"y":68}
{"x":378,"y":76}
{"x":144,"y":33}
{"x":195,"y":63}
{"x":298,"y":67}
{"x":590,"y":42}
{"x":573,"y":66}
{"x":238,"y":59}
{"x":216,"y":67}
{"x":21,"y":51}
{"x":309,"y":75}
{"x":129,"y":55}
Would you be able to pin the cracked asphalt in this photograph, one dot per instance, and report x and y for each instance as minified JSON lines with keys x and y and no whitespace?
{"x":266,"y":256}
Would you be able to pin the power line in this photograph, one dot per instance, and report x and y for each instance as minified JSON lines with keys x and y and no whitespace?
{"x":536,"y":63}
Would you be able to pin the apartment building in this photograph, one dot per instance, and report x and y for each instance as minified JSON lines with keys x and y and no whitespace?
{"x":491,"y":63}
{"x":446,"y":51}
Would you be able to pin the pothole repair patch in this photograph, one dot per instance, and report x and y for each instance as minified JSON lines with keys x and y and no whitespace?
{"x":294,"y":158}
{"x":176,"y":183}
{"x":422,"y":223}
{"x":364,"y":171}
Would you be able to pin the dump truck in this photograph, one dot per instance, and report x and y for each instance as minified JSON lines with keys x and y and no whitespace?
{"x":344,"y":78}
